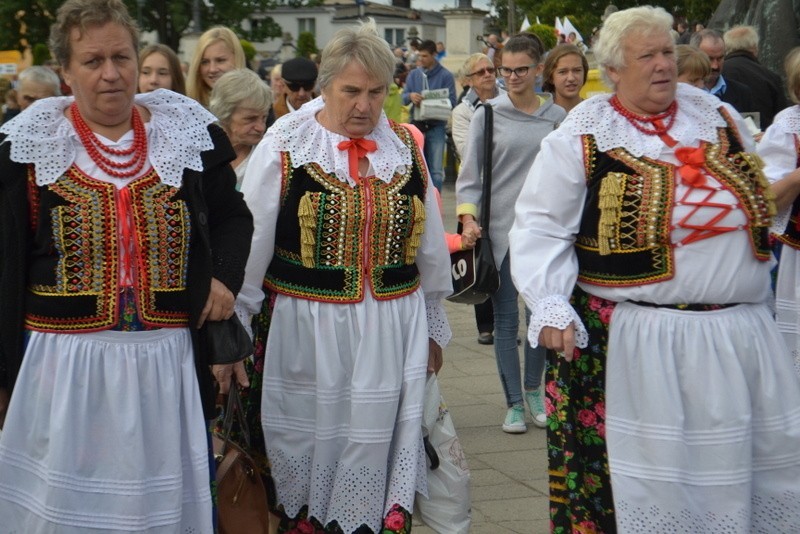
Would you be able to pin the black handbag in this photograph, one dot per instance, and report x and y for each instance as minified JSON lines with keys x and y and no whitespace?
{"x":474,"y":272}
{"x":227,"y":341}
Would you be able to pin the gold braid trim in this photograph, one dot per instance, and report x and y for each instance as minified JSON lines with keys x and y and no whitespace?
{"x":610,"y":203}
{"x":757,"y":163}
{"x":418,"y":226}
{"x":308,"y":227}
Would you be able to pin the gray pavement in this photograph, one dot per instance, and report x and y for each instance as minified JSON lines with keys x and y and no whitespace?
{"x":508,"y":471}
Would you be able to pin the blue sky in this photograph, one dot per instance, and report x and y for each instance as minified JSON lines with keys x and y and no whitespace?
{"x":435,"y":5}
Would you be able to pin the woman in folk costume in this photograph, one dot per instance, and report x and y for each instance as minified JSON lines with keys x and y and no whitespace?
{"x":780,"y":149}
{"x":349,"y":237}
{"x":681,"y":387}
{"x":122,"y":233}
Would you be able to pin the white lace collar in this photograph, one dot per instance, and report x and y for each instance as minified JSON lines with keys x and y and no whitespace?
{"x":308,"y":141}
{"x":697,"y":119}
{"x":42,"y":135}
{"x":788,"y":120}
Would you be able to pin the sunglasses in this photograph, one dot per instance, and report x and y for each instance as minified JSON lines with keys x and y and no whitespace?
{"x":481,"y":72}
{"x":296,"y":86}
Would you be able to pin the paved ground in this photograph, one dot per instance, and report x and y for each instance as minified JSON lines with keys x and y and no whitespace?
{"x":509,"y":472}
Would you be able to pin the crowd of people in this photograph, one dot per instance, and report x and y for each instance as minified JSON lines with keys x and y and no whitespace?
{"x":142,"y":199}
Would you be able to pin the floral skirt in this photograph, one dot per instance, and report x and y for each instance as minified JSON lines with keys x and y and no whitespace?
{"x":580,"y":487}
{"x":397,"y":521}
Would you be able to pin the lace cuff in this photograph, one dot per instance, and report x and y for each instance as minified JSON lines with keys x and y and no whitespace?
{"x":438,"y":326}
{"x":244,"y":317}
{"x":556,"y":311}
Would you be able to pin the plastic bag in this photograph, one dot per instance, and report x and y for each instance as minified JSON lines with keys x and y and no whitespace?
{"x":447,"y":507}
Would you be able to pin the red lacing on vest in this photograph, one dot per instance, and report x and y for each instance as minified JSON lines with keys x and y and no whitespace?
{"x":691,"y":174}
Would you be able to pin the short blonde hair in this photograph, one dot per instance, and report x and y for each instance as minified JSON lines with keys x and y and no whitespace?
{"x":792,"y":66}
{"x":362,"y":45}
{"x":740,"y":38}
{"x":472,"y":61}
{"x":195,"y":86}
{"x":623,"y":25}
{"x":238,"y":88}
{"x":692,"y":62}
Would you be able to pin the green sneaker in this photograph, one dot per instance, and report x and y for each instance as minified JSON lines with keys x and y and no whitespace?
{"x":515,"y":420}
{"x":535,"y":400}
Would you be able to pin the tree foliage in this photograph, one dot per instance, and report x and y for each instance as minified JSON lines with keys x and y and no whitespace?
{"x":585,"y":14}
{"x":27,"y":22}
{"x":306,"y":44}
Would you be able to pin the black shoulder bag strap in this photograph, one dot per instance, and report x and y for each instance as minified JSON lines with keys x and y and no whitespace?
{"x":486,"y":202}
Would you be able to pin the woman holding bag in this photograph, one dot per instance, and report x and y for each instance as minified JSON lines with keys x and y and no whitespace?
{"x":521,"y":120}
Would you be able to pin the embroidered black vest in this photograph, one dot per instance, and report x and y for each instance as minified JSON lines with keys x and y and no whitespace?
{"x":791,"y":234}
{"x":75,"y":264}
{"x":333,"y":239}
{"x":624,"y":238}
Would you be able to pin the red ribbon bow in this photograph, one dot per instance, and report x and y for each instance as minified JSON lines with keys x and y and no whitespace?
{"x":693,"y":160}
{"x":357,"y":149}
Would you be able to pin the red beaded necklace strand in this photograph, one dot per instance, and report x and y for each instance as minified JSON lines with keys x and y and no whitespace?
{"x":93,"y":146}
{"x":641,"y":123}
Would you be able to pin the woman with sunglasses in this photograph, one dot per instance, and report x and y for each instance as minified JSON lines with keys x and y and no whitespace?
{"x":522,"y":119}
{"x":480,"y":75}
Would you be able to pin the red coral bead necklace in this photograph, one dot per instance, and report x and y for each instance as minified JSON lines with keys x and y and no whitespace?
{"x":652,"y":125}
{"x":95,"y":148}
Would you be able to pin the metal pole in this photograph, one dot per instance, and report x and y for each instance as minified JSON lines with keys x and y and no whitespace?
{"x":512,"y":17}
{"x":196,"y":22}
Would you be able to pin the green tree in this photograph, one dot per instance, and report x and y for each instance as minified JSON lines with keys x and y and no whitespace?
{"x":306,"y":44}
{"x":249,"y":50}
{"x":545,"y":32}
{"x":23,"y":22}
{"x":41,"y":53}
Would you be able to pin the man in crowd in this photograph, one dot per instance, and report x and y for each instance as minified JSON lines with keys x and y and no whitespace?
{"x":434,"y":130}
{"x":35,"y":83}
{"x":734,"y":93}
{"x":299,"y":77}
{"x":741,"y":65}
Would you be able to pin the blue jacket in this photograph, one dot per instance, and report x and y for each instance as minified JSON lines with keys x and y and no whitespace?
{"x":438,"y":78}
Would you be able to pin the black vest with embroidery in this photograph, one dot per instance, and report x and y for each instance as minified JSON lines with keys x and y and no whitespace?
{"x":624,"y":238}
{"x":334,"y":239}
{"x":74,"y":284}
{"x":791,"y":234}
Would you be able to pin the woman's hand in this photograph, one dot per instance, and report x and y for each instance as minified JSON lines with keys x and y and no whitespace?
{"x":223,"y":373}
{"x":559,"y":340}
{"x":434,"y":356}
{"x":219,"y":305}
{"x":4,"y":398}
{"x":470,"y":232}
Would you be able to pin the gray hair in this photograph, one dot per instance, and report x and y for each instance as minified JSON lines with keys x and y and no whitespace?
{"x":741,"y":38}
{"x":707,"y":33}
{"x":43,"y":76}
{"x":238,"y":88}
{"x":623,"y":25}
{"x":84,"y":14}
{"x":362,"y":45}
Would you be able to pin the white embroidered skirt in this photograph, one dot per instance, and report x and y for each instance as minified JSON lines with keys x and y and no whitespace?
{"x":702,"y":422}
{"x":787,"y":301}
{"x":342,"y":407}
{"x":105,"y":431}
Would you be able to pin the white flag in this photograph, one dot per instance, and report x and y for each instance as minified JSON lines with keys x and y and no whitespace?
{"x":525,"y":24}
{"x":559,"y":27}
{"x":569,"y":28}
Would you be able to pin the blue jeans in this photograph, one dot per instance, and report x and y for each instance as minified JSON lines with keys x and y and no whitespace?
{"x":435,"y":140}
{"x":506,"y":329}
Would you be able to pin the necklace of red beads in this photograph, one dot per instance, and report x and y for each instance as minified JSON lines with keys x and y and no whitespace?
{"x":96,"y":148}
{"x":652,"y":125}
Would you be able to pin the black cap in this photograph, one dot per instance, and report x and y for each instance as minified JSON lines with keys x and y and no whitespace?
{"x":299,"y":69}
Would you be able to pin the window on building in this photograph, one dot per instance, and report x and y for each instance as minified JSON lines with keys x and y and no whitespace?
{"x":395,"y":36}
{"x":307,"y":25}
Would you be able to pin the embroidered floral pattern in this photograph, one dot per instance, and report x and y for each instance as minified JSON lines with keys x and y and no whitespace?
{"x":580,"y":488}
{"x":397,"y":521}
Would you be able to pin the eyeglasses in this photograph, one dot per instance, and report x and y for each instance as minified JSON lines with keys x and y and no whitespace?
{"x":296,"y":86}
{"x":481,"y":72}
{"x":521,"y":72}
